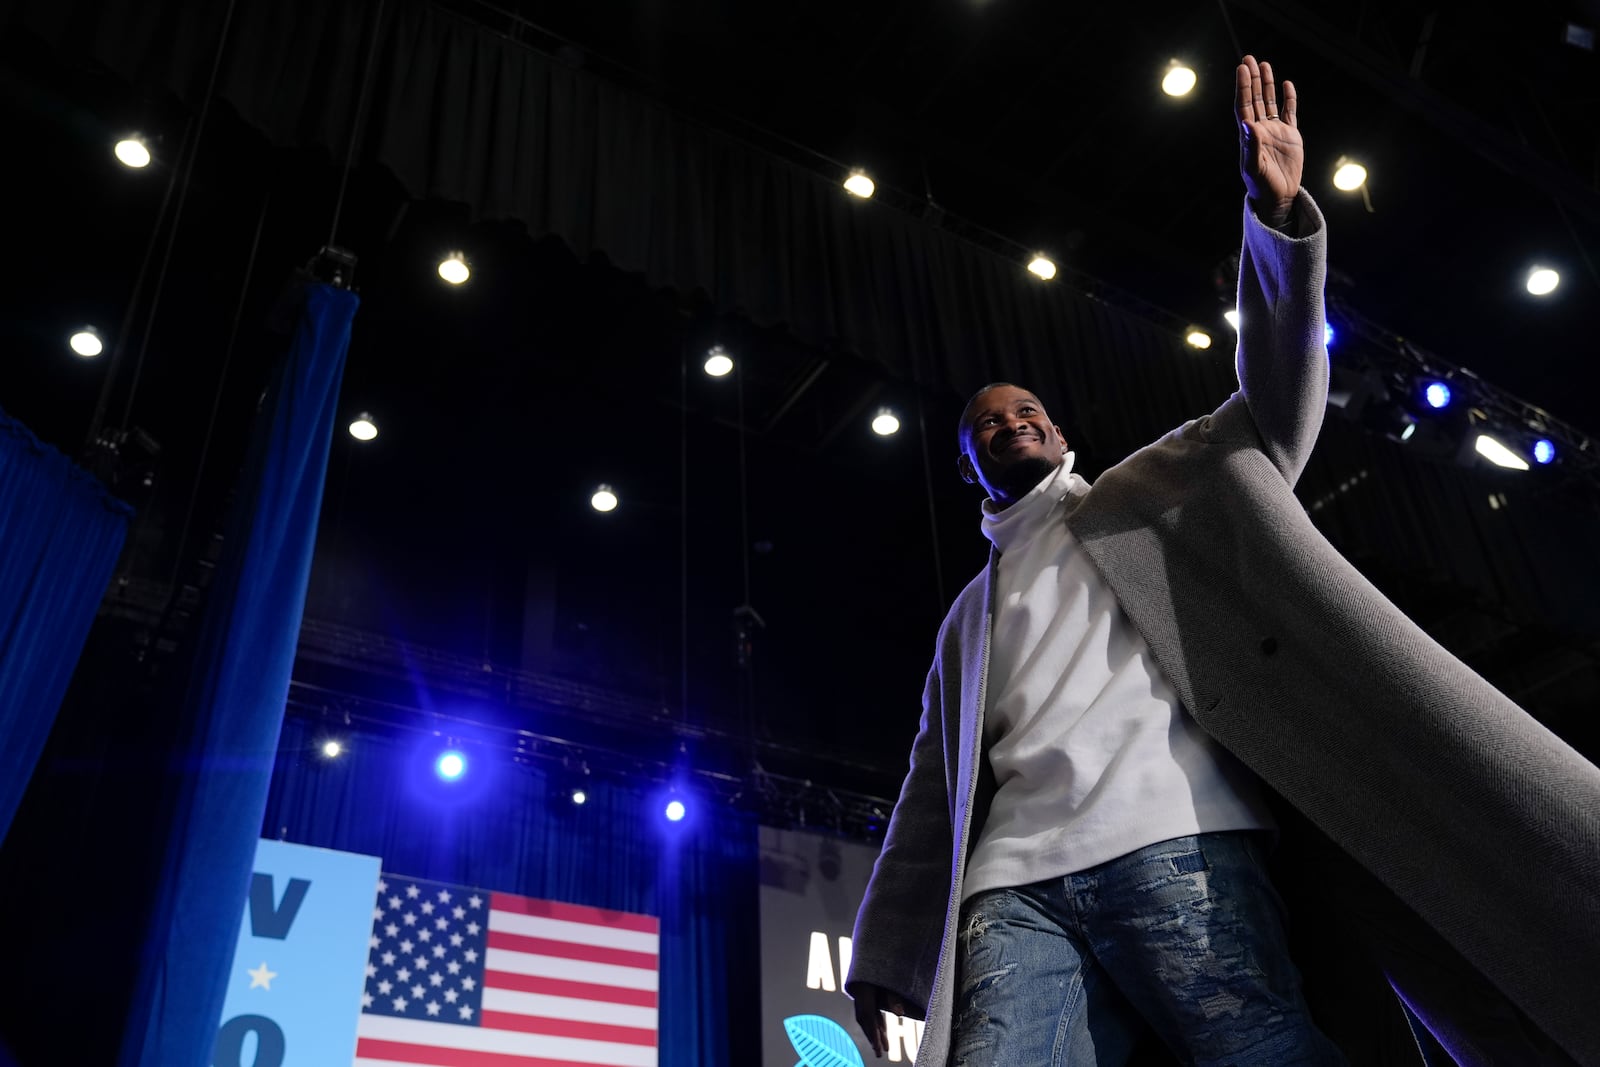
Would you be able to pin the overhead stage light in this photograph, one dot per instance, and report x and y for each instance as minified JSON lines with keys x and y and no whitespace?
{"x":604,"y":499}
{"x":364,"y":428}
{"x":331,"y":749}
{"x":1198,"y":338}
{"x":858,"y":184}
{"x":451,"y":765}
{"x":86,"y":342}
{"x":675,"y":811}
{"x":885,"y":423}
{"x":1041,"y":267}
{"x":1348,"y":175}
{"x":718,"y":362}
{"x":1542,"y":281}
{"x":1499,"y":454}
{"x":453,"y":268}
{"x":132,"y":152}
{"x":1544,"y":451}
{"x":1179,"y":80}
{"x":1437,"y":394}
{"x":579,"y":797}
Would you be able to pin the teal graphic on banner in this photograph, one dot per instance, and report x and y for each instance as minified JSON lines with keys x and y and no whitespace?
{"x":821,"y":1042}
{"x":294,"y":993}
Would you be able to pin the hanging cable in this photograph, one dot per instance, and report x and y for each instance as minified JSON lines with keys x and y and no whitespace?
{"x":683,"y":531}
{"x":216,"y":398}
{"x":177,"y":216}
{"x":355,"y":125}
{"x":933,"y":514}
{"x":119,"y":344}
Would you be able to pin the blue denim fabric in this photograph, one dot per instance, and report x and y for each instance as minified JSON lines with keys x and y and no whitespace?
{"x":1186,"y":935}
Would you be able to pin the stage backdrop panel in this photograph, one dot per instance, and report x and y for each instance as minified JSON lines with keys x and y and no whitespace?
{"x":811,"y":886}
{"x":294,"y":990}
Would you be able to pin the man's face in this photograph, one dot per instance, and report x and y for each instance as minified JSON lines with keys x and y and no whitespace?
{"x":1008,"y":443}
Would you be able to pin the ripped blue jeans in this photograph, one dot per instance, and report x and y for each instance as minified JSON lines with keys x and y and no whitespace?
{"x":1186,"y":935}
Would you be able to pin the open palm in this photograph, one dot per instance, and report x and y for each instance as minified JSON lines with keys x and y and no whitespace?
{"x":1271,"y":154}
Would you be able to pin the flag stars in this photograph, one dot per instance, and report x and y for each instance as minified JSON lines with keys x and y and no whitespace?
{"x":468,"y":984}
{"x":436,"y":979}
{"x":416,"y":992}
{"x":391,"y":930}
{"x":459,"y":912}
{"x":420,"y":963}
{"x":427,"y":907}
{"x":383,"y":885}
{"x":438,"y":952}
{"x":406,"y":946}
{"x":473,"y":928}
{"x":453,"y":967}
{"x":455,"y":940}
{"x":466,"y":1011}
{"x":433,"y":1007}
{"x":412,"y":892}
{"x":424,"y":934}
{"x":399,"y":1003}
{"x":444,"y":896}
{"x":377,"y":915}
{"x":475,"y":900}
{"x":442,"y":923}
{"x":471,"y":955}
{"x":395,"y":902}
{"x":409,"y":918}
{"x":388,"y":959}
{"x":372,"y":970}
{"x":450,"y":996}
{"x":261,"y":977}
{"x":373,"y":941}
{"x":385,"y":987}
{"x":366,"y":1000}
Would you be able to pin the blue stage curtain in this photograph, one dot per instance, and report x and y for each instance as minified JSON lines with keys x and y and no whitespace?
{"x":233,"y":708}
{"x":508,"y":829}
{"x":60,"y":535}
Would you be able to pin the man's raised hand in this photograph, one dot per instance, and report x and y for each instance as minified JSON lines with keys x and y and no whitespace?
{"x":1271,"y":154}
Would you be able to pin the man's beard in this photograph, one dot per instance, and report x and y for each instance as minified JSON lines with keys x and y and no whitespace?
{"x":1024,"y":474}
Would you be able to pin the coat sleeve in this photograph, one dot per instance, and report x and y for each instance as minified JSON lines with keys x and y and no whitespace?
{"x":1282,"y":360}
{"x":901,"y":922}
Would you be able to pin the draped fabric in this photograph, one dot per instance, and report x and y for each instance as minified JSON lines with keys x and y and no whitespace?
{"x":459,"y":112}
{"x":233,"y":710}
{"x":515,"y":833}
{"x":60,"y":535}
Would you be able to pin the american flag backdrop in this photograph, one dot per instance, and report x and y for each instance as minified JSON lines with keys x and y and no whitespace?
{"x":462,"y":977}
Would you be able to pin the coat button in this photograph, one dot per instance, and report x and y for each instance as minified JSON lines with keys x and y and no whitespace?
{"x":1269,"y":645}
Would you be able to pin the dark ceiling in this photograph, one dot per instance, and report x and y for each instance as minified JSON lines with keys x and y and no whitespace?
{"x":501,"y":405}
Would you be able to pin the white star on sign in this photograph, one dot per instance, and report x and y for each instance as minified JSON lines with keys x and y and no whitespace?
{"x":261,"y":976}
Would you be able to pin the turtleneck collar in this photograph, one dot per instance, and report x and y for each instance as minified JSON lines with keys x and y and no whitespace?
{"x":1017,"y":524}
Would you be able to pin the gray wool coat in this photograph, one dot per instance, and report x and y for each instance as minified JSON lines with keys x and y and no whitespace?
{"x":1480,"y":819}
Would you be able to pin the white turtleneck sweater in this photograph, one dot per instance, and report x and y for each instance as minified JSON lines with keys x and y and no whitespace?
{"x":1093,"y":755}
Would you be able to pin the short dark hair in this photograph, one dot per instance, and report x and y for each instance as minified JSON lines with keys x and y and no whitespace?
{"x":961,"y":423}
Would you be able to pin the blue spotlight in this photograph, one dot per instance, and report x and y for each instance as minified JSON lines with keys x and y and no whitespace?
{"x":451,"y":765}
{"x":1437,"y":394}
{"x":1544,"y":450}
{"x":1328,"y":334}
{"x":675,"y":811}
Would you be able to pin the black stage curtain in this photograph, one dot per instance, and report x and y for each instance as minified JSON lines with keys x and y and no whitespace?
{"x":460,"y":112}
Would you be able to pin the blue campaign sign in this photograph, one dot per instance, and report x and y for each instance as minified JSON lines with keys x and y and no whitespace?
{"x":294,"y":993}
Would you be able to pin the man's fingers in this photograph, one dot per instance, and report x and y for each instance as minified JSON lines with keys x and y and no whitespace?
{"x":1289,"y":102}
{"x":1243,"y":104}
{"x":1269,"y":92}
